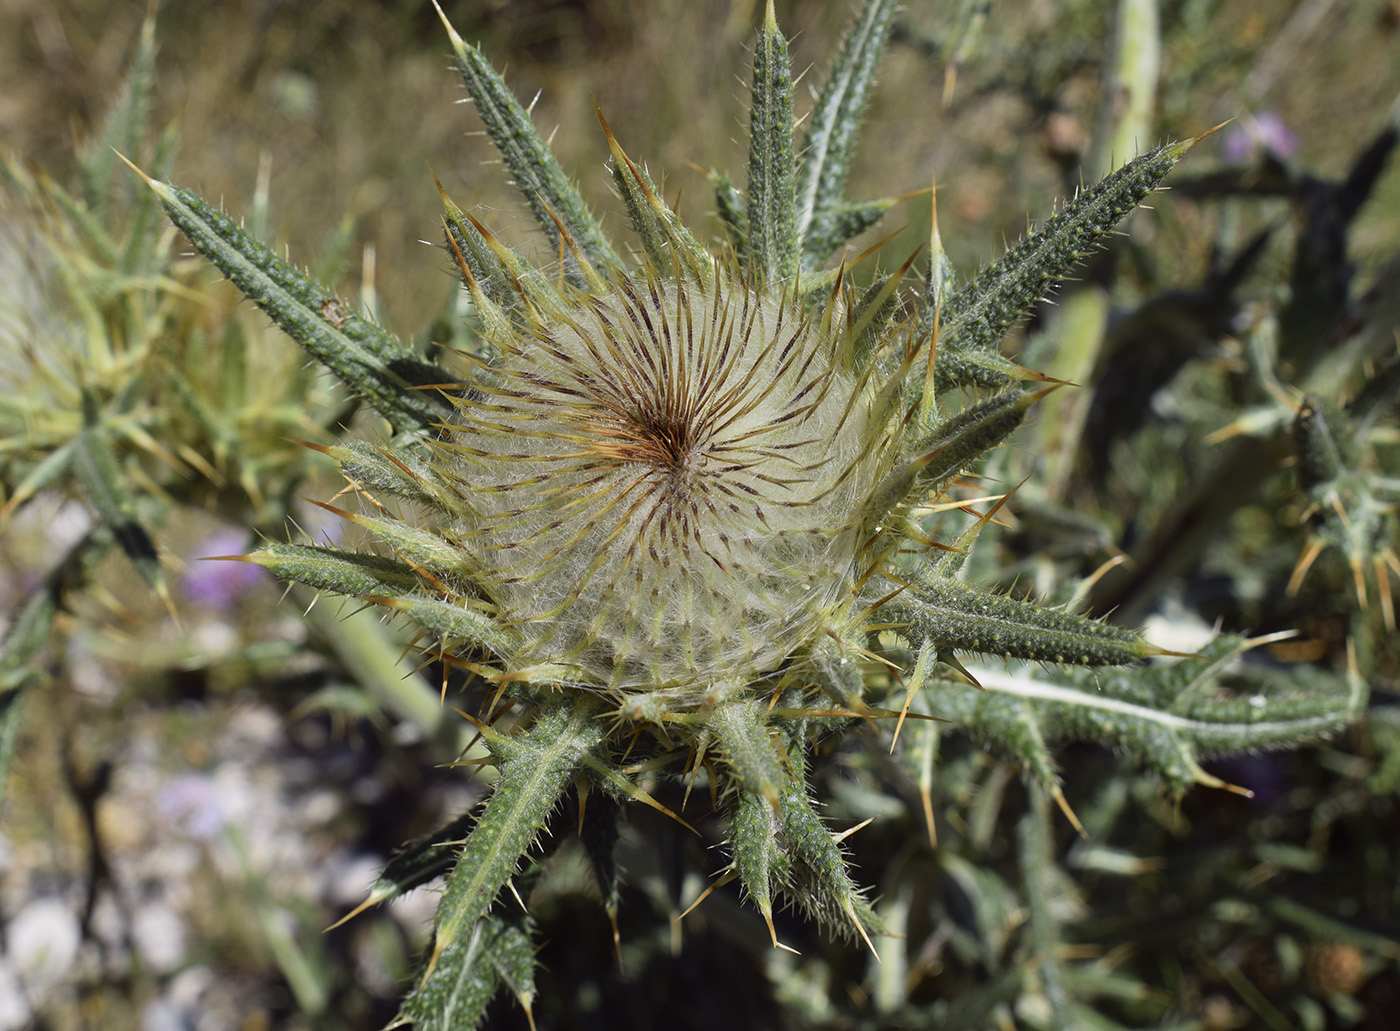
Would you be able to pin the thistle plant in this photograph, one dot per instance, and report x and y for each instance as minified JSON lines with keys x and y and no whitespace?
{"x":688,"y":508}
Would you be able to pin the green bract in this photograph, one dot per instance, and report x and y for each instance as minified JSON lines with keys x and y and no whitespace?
{"x":683,"y":506}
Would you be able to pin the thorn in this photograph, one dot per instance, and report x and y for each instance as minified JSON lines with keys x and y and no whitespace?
{"x":1209,"y":132}
{"x":773,"y":933}
{"x":1212,"y":781}
{"x":860,"y":928}
{"x":438,"y":943}
{"x":617,"y":938}
{"x":707,"y":893}
{"x":451,"y":32}
{"x":949,"y":659}
{"x":1314,"y":548}
{"x":352,"y":914}
{"x":843,"y":835}
{"x":129,"y":164}
{"x":1063,"y":803}
{"x":926,"y":796}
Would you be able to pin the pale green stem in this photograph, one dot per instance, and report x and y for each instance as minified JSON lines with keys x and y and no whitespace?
{"x":375,"y":659}
{"x":1037,"y":856}
{"x":1130,"y":88}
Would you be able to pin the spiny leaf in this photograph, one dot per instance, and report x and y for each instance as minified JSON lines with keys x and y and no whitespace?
{"x":960,"y":618}
{"x":350,"y":573}
{"x":759,"y":857}
{"x":666,"y":240}
{"x":820,"y":882}
{"x":366,"y":357}
{"x":772,"y":215}
{"x":952,"y":447}
{"x":545,"y":763}
{"x":399,"y":472}
{"x":837,"y":224}
{"x":96,"y":468}
{"x":1281,"y":709}
{"x":489,"y":272}
{"x":125,"y":122}
{"x":415,"y":864}
{"x":535,"y":169}
{"x":598,"y":831}
{"x":831,"y":137}
{"x":733,"y":213}
{"x":454,"y":621}
{"x":496,"y":953}
{"x":745,"y":743}
{"x":979,"y":315}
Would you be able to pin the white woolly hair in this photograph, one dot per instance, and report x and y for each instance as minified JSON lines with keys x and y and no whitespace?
{"x":668,"y":482}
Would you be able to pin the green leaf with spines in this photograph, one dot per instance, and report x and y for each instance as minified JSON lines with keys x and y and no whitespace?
{"x":819,"y":881}
{"x":532,"y":164}
{"x":418,"y":862}
{"x":872,"y":316}
{"x":1169,"y":715}
{"x":824,"y":220}
{"x":951,"y":448}
{"x":837,"y":225}
{"x":668,"y":244}
{"x":486,"y":266}
{"x":43,"y":474}
{"x":545,"y":761}
{"x":397,"y":471}
{"x":836,"y":668}
{"x":772,"y":216}
{"x":759,"y":858}
{"x":497,"y":953}
{"x":746,"y":745}
{"x":419,"y":547}
{"x":354,"y":574}
{"x":957,"y":617}
{"x":125,"y":121}
{"x":733,"y":214}
{"x":454,"y":621}
{"x":105,"y":489}
{"x":366,"y":357}
{"x":781,"y":846}
{"x":974,"y":320}
{"x":599,"y":830}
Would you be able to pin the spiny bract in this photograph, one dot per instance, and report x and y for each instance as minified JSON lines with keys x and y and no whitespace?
{"x":676,"y":499}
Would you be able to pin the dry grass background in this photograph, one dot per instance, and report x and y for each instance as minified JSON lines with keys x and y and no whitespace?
{"x":351,"y":101}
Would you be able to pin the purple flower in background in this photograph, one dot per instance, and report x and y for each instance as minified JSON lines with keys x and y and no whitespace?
{"x":1266,"y":131}
{"x":193,"y":801}
{"x":218,"y":585}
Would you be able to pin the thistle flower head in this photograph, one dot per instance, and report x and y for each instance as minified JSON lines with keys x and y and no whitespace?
{"x":663,"y":483}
